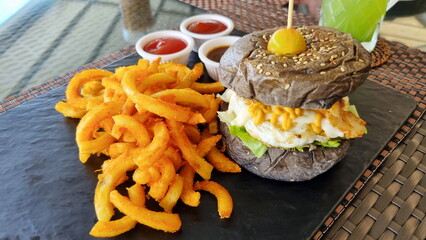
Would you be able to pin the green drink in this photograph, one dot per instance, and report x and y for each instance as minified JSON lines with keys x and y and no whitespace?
{"x":361,"y":18}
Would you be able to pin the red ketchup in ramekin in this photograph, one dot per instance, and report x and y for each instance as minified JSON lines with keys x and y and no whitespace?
{"x":165,"y":45}
{"x":207,"y":27}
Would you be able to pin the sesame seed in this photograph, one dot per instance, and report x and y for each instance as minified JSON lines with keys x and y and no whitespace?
{"x":361,"y":60}
{"x":343,"y":53}
{"x":267,"y":73}
{"x":259,"y":65}
{"x":272,"y":62}
{"x":342,"y":68}
{"x":305,"y":62}
{"x":284,"y":65}
{"x":322,"y":72}
{"x":287,"y":86}
{"x":322,"y":64}
{"x":260,"y":71}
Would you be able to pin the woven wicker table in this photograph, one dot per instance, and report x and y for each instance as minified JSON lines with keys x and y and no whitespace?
{"x":388,"y":201}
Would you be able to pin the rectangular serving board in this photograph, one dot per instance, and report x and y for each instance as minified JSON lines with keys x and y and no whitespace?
{"x":47,"y":193}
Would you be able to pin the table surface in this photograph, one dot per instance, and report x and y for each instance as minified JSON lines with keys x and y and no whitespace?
{"x":45,"y":42}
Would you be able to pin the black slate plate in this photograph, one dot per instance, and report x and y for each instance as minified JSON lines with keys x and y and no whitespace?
{"x":46,"y":193}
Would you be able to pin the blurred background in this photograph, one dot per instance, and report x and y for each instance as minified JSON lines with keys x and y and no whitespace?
{"x":406,"y":23}
{"x":41,"y":39}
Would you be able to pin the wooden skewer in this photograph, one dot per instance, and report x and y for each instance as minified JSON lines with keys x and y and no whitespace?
{"x":290,"y":14}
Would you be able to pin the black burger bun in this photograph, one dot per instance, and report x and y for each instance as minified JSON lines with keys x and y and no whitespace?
{"x":332,"y":67}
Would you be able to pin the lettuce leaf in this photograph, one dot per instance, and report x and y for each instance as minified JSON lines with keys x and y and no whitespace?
{"x":352,"y":109}
{"x":331,"y":143}
{"x":256,"y":146}
{"x":300,"y":149}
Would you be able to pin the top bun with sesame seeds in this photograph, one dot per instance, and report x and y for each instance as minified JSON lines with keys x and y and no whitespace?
{"x":333,"y":65}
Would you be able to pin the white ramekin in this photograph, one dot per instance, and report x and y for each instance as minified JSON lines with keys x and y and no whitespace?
{"x":212,"y":66}
{"x":201,"y":38}
{"x":179,"y":57}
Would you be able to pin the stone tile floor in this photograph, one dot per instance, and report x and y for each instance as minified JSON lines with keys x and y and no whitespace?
{"x":47,"y":38}
{"x":410,"y":30}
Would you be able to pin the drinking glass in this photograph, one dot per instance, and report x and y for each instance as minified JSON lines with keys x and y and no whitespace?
{"x":361,"y":18}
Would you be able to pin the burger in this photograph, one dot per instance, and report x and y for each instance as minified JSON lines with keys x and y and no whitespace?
{"x":287,"y":116}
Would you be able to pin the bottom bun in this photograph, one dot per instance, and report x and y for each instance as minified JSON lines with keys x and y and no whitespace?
{"x":280,"y":164}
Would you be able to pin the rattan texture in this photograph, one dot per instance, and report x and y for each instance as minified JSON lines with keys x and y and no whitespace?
{"x":211,"y":5}
{"x":380,"y":53}
{"x":389,"y":201}
{"x":250,"y":16}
